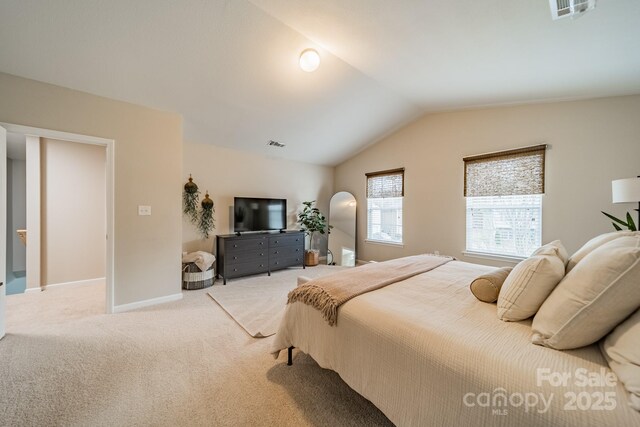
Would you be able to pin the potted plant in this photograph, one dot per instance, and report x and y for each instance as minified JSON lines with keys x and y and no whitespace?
{"x":312,"y":221}
{"x":628,"y":224}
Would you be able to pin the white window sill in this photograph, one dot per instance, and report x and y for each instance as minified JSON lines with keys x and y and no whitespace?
{"x":495,"y":257}
{"x":384,"y":242}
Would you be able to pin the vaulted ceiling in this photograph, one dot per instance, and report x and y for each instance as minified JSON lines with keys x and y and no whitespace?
{"x":230,"y":66}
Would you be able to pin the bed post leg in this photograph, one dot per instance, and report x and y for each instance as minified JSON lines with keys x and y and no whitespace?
{"x":290,"y":356}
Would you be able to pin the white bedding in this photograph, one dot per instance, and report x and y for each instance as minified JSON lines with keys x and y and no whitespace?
{"x":419,"y":349}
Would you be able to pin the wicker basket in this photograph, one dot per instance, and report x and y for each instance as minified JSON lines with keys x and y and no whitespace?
{"x":193,"y":278}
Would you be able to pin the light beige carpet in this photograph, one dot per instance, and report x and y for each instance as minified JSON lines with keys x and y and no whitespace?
{"x":65,"y":363}
{"x":257,"y":302}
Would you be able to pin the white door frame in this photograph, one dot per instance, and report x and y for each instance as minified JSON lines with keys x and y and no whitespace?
{"x":3,"y":224}
{"x":109,"y":144}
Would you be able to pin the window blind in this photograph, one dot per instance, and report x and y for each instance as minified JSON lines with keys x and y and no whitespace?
{"x":512,"y":172}
{"x":384,"y":184}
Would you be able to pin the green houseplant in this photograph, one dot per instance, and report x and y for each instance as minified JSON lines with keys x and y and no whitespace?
{"x":628,"y":224}
{"x":313,"y":223}
{"x":190,"y":198}
{"x":207,"y":222}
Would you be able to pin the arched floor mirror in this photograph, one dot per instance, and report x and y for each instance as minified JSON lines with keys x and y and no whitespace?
{"x":342,"y":237}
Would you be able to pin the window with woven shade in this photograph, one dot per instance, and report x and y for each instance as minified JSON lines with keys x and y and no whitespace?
{"x":385,"y":192}
{"x":503,"y":193}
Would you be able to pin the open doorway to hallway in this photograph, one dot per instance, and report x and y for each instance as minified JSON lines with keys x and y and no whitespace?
{"x":59,"y":213}
{"x":16,"y":251}
{"x":69,"y":246}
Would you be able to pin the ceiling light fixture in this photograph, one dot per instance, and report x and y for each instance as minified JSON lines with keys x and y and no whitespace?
{"x":309,"y":60}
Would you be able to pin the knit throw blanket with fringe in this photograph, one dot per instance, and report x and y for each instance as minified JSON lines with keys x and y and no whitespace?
{"x":330,"y":292}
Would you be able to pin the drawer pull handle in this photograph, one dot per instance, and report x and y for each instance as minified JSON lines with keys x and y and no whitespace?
{"x":235,"y":257}
{"x":235,"y":246}
{"x":261,"y":265}
{"x":276,"y":252}
{"x":235,"y":269}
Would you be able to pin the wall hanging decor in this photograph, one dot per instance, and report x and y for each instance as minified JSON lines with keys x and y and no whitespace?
{"x":207,"y":223}
{"x":190,"y":197}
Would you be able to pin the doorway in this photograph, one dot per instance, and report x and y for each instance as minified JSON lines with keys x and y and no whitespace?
{"x":16,"y":208}
{"x":52,"y":270}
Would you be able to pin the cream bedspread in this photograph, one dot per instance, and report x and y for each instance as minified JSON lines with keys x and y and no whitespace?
{"x":427,"y":353}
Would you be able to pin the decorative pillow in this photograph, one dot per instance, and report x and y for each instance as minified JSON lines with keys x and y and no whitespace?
{"x":487,"y":287}
{"x":529,"y":284}
{"x":621,"y":348}
{"x":595,"y":243}
{"x":558,"y":246}
{"x":598,"y":294}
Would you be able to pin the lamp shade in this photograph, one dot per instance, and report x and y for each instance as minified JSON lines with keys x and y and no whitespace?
{"x":625,"y":190}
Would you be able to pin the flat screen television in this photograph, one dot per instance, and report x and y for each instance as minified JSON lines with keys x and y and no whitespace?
{"x":254,"y":214}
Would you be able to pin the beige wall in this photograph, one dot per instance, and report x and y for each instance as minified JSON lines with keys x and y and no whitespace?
{"x":73,"y":211}
{"x":227,"y":173}
{"x":148,"y":164}
{"x":591,"y":143}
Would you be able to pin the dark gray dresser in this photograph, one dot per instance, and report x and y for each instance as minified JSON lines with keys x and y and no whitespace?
{"x":247,"y":254}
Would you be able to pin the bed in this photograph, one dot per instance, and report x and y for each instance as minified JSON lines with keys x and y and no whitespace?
{"x":427,"y":353}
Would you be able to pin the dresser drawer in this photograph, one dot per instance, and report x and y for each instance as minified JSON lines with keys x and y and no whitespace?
{"x":276,"y":263}
{"x":286,"y":240}
{"x":242,"y":245}
{"x":285,"y":251}
{"x":245,"y":268}
{"x":236,"y":257}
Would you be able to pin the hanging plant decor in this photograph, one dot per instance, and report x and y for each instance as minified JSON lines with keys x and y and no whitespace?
{"x":207,"y":223}
{"x":190,"y":197}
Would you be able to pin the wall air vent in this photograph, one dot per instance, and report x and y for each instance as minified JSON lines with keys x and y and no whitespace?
{"x":276,"y":144}
{"x":570,"y":8}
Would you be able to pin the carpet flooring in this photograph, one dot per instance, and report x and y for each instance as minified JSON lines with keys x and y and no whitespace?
{"x":257,"y":302}
{"x":188,"y":363}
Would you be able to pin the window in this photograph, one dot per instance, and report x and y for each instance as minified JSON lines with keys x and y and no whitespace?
{"x":504,"y":201}
{"x":385,"y":191}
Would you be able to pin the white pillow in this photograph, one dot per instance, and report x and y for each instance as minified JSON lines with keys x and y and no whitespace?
{"x":559,"y":248}
{"x":599,"y":293}
{"x":595,"y":243}
{"x":529,"y":284}
{"x":621,"y":348}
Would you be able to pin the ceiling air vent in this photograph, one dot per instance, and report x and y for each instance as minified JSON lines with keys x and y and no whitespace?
{"x":570,"y":8}
{"x":273,"y":143}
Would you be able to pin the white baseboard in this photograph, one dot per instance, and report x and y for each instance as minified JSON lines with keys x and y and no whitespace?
{"x":146,"y":303}
{"x":96,"y":281}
